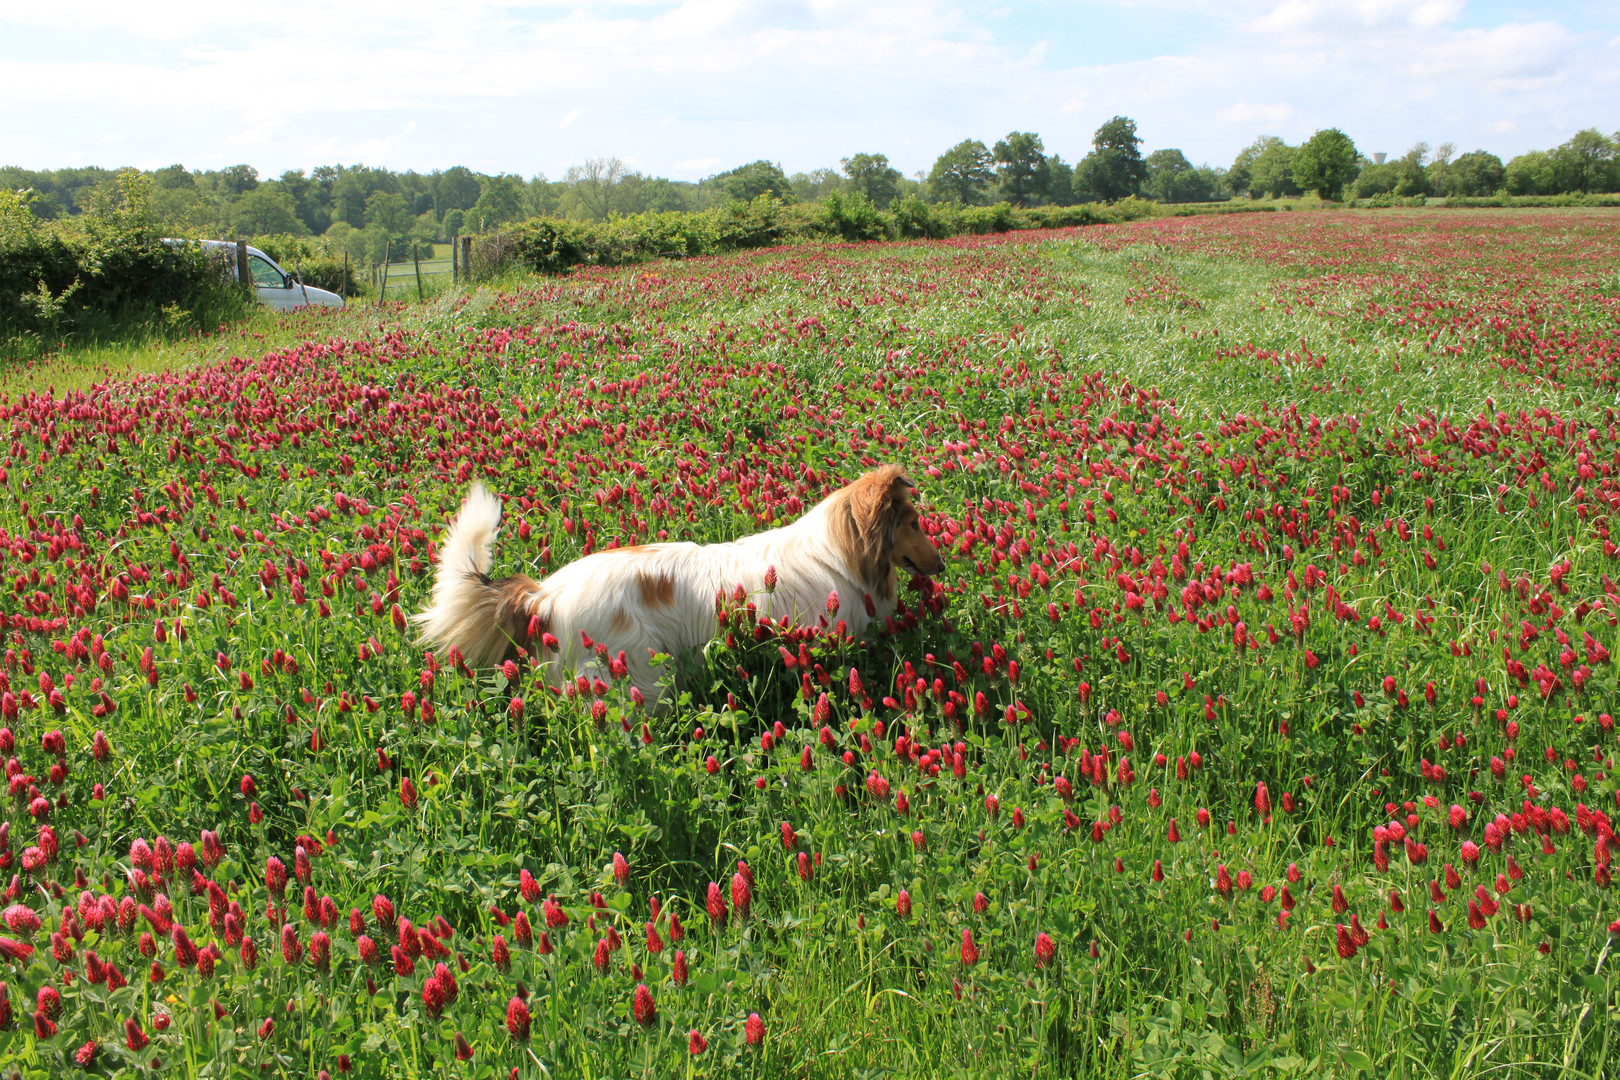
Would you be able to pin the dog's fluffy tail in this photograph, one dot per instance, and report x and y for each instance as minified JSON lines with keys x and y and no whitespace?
{"x":480,"y":617}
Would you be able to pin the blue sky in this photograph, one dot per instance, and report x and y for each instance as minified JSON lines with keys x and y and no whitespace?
{"x":684,"y":89}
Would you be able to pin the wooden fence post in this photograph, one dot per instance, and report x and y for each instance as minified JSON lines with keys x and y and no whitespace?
{"x":455,"y":252}
{"x":417,"y":262}
{"x":243,"y":278}
{"x":466,"y":259}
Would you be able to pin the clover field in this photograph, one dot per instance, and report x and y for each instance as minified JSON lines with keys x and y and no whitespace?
{"x":1260,"y":725}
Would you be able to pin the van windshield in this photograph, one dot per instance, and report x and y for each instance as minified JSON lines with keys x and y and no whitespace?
{"x":264,"y":274}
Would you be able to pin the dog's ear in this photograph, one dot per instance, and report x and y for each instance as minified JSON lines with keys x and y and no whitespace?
{"x":876,"y":500}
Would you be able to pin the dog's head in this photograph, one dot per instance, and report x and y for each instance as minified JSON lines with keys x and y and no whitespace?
{"x":883,"y":531}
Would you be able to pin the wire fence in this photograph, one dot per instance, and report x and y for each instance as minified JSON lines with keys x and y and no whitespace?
{"x":416,"y":277}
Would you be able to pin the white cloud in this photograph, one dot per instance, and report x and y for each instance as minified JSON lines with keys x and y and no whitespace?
{"x":1502,"y":55}
{"x":1246,"y":116}
{"x":702,"y":85}
{"x":1315,"y":19}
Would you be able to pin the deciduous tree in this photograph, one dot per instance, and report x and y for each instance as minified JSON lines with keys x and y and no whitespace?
{"x":748,"y":182}
{"x":1114,"y":169}
{"x":962,"y":173}
{"x":873,"y":177}
{"x":1021,"y":166}
{"x":1326,"y":163}
{"x":1272,"y":172}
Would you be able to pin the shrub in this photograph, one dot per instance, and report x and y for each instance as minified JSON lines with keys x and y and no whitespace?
{"x":555,"y":245}
{"x":99,"y":275}
{"x":852,"y":217}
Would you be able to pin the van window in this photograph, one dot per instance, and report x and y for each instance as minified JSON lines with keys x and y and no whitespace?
{"x":265,"y":276}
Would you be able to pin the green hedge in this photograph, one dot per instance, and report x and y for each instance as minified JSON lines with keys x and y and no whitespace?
{"x":99,"y":276}
{"x":554,"y":245}
{"x":1572,"y":199}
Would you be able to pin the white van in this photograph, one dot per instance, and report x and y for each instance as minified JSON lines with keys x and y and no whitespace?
{"x":274,"y":286}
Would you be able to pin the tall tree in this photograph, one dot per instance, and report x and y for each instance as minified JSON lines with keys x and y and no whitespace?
{"x":748,"y":182}
{"x":1530,"y":173}
{"x":266,"y":210}
{"x":592,"y":184}
{"x":387,"y":210}
{"x":500,"y":199}
{"x":873,"y":177}
{"x":1021,"y":166}
{"x":237,"y":179}
{"x":173,"y":176}
{"x":1375,"y":179}
{"x":1272,"y":172}
{"x":962,"y":173}
{"x":1326,"y":163}
{"x":1114,"y":169}
{"x":1586,"y":162}
{"x":1174,"y":179}
{"x":456,"y":188}
{"x":1240,"y":177}
{"x":1059,"y":181}
{"x":1411,"y":179}
{"x":816,"y":184}
{"x":310,"y":202}
{"x":1475,"y":173}
{"x":1440,"y":167}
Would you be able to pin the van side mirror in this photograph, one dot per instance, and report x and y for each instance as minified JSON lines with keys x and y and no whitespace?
{"x":286,"y":281}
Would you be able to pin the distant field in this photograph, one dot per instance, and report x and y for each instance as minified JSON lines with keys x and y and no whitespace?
{"x":435,"y":272}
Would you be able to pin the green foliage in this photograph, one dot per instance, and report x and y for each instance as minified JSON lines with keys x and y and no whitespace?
{"x":1240,"y":177}
{"x":912,"y":218}
{"x":1589,"y":162}
{"x":1060,"y":181}
{"x":1574,"y":199}
{"x":1411,"y":178}
{"x":962,"y":173}
{"x":872,"y":178}
{"x":813,"y":186}
{"x":556,"y":245}
{"x":748,"y":182}
{"x":1272,"y":170}
{"x":101,"y":275}
{"x":739,"y":225}
{"x":266,"y":209}
{"x":1375,"y":179}
{"x":500,"y":202}
{"x":1476,"y":173}
{"x":1326,"y":164}
{"x":851,"y":217}
{"x":1172,"y":178}
{"x":1114,"y":169}
{"x":1021,"y":166}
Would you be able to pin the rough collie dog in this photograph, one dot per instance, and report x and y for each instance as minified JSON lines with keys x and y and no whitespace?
{"x":660,"y":598}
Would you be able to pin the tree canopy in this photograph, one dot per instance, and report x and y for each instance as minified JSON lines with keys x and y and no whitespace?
{"x":1326,"y":163}
{"x":1021,"y":161}
{"x":1114,"y":169}
{"x":872,"y":176}
{"x":748,"y":182}
{"x":962,"y":173}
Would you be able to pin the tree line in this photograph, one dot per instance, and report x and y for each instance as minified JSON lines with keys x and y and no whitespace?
{"x":372,"y":213}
